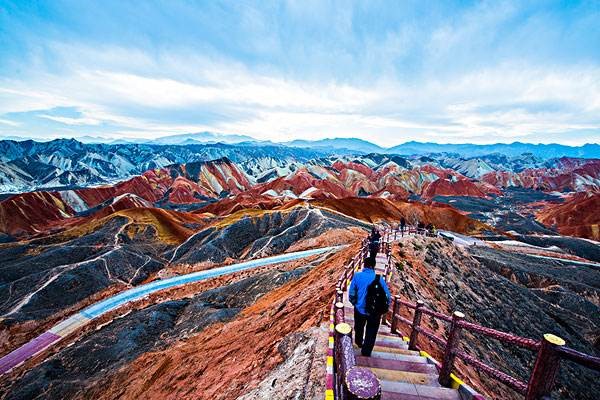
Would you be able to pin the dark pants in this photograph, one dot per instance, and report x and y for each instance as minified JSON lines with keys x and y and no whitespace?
{"x":373,"y":250}
{"x":365,"y":340}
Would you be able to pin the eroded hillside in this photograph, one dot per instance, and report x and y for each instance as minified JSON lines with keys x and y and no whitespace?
{"x":219,"y":343}
{"x":511,"y":292}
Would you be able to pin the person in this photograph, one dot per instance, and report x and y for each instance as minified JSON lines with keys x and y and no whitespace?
{"x":374,"y":239}
{"x":375,"y":236}
{"x":359,"y":288}
{"x":402,"y":225}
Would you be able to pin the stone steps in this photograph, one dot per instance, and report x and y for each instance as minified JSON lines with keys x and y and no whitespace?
{"x":404,"y":374}
{"x":410,"y":391}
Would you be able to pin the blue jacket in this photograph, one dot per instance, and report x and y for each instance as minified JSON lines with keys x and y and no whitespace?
{"x":358,"y":289}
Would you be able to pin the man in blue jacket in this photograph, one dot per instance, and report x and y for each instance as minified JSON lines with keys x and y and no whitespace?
{"x":358,"y":297}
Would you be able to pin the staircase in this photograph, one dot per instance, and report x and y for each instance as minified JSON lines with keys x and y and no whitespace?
{"x":394,"y":372}
{"x":404,"y":374}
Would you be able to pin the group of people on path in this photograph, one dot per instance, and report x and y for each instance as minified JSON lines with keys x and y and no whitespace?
{"x":370,"y":296}
{"x":429,"y":228}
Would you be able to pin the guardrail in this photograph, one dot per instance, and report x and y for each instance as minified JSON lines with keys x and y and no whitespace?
{"x":550,"y":350}
{"x":351,"y":382}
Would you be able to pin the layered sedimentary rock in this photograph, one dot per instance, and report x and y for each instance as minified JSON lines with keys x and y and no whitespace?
{"x":507,"y":291}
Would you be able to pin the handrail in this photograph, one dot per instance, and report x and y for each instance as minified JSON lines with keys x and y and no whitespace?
{"x":402,"y":319}
{"x":405,"y":303}
{"x":437,"y":315}
{"x":508,"y":380}
{"x":550,"y":350}
{"x":432,"y":336}
{"x":502,"y":336}
{"x":580,"y":358}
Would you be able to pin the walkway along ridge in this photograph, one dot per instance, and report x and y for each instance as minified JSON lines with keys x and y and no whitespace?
{"x":399,"y":370}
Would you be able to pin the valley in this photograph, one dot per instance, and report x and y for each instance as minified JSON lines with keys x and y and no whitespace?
{"x":113,"y":263}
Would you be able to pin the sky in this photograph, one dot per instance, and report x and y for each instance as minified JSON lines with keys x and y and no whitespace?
{"x":384,"y":71}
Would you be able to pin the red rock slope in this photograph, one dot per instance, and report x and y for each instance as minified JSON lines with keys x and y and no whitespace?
{"x":228,"y":360}
{"x":579,"y":216}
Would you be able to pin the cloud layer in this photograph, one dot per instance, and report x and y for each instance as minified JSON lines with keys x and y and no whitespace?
{"x":493,"y":72}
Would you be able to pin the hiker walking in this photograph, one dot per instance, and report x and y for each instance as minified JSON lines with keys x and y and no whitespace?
{"x":371,"y":299}
{"x":374,"y":239}
{"x":402,"y":226}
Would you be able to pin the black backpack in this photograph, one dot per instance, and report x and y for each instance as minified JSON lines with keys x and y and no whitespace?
{"x":377,"y":301}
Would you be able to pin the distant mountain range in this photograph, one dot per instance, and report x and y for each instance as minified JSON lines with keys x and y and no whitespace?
{"x":63,"y":163}
{"x":512,"y":149}
{"x":360,"y":146}
{"x":348,"y":144}
{"x":30,"y":165}
{"x":466,"y":150}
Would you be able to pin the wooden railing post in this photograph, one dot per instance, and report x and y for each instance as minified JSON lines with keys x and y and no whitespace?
{"x":395,"y":311}
{"x":362,"y":384}
{"x":344,"y":360}
{"x":353,"y":382}
{"x":339,"y":313}
{"x":451,"y":348}
{"x":545,"y":368}
{"x":414,"y":333}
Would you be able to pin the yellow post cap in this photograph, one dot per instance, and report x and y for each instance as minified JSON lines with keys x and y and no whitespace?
{"x":558,"y":341}
{"x":343,"y":328}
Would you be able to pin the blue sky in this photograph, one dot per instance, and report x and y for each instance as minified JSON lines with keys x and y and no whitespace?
{"x":388,"y":72}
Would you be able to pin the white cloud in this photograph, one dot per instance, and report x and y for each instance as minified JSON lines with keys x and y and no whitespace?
{"x":71,"y":121}
{"x":9,"y":122}
{"x":503,"y":103}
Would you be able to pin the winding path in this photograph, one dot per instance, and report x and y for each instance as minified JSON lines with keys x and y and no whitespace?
{"x":76,"y":321}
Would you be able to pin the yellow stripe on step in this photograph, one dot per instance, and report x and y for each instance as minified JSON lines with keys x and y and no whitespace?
{"x":455,"y":381}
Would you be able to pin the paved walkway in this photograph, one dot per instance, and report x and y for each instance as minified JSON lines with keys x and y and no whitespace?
{"x":76,"y":321}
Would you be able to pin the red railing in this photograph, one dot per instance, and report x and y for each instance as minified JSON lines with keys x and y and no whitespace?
{"x":550,"y":350}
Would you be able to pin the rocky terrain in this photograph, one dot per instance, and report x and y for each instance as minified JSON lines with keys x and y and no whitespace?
{"x":233,"y":340}
{"x":50,"y":277}
{"x":511,"y":292}
{"x":104,"y":219}
{"x":529,"y":204}
{"x":574,"y":217}
{"x":94,"y":357}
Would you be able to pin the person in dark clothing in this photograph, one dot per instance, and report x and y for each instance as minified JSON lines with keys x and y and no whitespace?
{"x":365,"y":339}
{"x":402,"y":225}
{"x":374,"y":240}
{"x":373,"y":249}
{"x":375,"y":235}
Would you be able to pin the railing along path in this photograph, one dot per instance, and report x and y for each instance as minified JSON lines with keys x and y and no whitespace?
{"x":352,"y":382}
